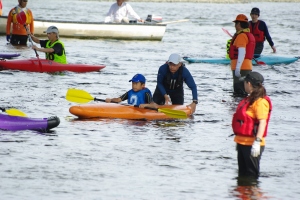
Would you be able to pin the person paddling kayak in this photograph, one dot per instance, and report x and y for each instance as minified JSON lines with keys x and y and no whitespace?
{"x":139,"y":95}
{"x":53,"y":47}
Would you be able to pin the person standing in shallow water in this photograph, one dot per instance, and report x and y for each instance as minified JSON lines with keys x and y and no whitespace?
{"x":19,"y":34}
{"x":170,"y":79}
{"x":250,"y":125}
{"x":260,"y":31}
{"x":241,"y":52}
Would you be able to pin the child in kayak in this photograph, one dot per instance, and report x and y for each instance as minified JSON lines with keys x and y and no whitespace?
{"x":139,"y":95}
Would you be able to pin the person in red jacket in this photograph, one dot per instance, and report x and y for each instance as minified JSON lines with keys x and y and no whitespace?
{"x":19,"y":34}
{"x":250,"y":125}
{"x":260,"y":31}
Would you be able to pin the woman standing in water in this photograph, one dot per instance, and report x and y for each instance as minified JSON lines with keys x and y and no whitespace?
{"x":250,"y":125}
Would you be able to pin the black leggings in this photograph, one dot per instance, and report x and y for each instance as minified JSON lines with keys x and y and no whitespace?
{"x":19,"y":39}
{"x":248,"y":165}
{"x":238,"y":85}
{"x":259,"y":46}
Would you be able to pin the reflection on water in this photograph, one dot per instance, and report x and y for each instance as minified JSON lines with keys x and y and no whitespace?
{"x":248,"y":189}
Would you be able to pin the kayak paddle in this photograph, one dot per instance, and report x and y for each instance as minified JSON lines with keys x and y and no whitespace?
{"x":257,"y":62}
{"x":227,"y":32}
{"x":21,"y":18}
{"x":81,"y":96}
{"x":13,"y":112}
{"x":177,"y":21}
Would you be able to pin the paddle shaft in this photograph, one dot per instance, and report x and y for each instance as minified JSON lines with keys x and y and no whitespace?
{"x":227,"y":32}
{"x":22,"y":18}
{"x":171,"y":22}
{"x":171,"y":113}
{"x":30,"y":39}
{"x":124,"y":104}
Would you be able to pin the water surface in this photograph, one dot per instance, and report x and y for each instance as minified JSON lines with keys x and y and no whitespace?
{"x":126,"y":159}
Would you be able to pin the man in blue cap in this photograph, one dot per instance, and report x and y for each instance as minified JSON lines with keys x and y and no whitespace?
{"x":260,"y":31}
{"x":139,"y":95}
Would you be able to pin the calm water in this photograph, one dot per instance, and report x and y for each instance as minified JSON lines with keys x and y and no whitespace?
{"x":124,"y":159}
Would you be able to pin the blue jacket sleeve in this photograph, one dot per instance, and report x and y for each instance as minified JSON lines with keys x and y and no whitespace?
{"x":189,"y":80}
{"x":264,"y":28}
{"x":162,"y":71}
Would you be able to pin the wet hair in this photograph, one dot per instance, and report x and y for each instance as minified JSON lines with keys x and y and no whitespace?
{"x":259,"y":91}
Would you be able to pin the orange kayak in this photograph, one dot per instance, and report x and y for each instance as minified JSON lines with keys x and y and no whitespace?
{"x":112,"y":110}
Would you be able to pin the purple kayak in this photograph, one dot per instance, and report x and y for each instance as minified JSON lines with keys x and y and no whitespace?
{"x":9,"y":55}
{"x":14,"y":123}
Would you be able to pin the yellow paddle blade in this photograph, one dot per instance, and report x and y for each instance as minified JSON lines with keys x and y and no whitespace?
{"x":179,"y":114}
{"x":78,"y":96}
{"x":15,"y":112}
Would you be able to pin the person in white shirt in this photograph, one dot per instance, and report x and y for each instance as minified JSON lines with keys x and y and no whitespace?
{"x":120,"y":12}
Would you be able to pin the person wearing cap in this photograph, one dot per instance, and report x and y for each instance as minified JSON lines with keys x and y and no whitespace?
{"x":260,"y":31}
{"x":139,"y":95}
{"x":53,"y":47}
{"x":250,"y":125}
{"x":170,"y":79}
{"x":18,"y":36}
{"x":120,"y":12}
{"x":241,"y":52}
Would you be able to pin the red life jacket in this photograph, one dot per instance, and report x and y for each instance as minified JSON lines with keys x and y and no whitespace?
{"x":233,"y":51}
{"x":258,"y":34}
{"x":243,"y":124}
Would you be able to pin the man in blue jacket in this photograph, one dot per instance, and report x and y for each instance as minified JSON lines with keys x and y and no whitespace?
{"x":170,"y":80}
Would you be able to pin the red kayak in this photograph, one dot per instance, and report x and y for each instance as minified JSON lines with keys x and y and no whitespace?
{"x":43,"y":65}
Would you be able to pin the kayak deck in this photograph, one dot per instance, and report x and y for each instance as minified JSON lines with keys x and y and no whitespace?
{"x":43,"y":65}
{"x":9,"y":55}
{"x":112,"y":110}
{"x":15,"y":123}
{"x":269,"y":60}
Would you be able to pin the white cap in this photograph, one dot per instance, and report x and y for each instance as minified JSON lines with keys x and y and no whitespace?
{"x":52,"y":29}
{"x":174,"y":58}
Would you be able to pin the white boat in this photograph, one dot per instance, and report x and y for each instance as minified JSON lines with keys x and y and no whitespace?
{"x":95,"y":30}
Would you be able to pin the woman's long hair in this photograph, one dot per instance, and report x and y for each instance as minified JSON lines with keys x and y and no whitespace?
{"x":258,"y":91}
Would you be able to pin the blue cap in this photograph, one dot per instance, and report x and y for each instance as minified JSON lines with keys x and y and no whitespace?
{"x":138,"y":78}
